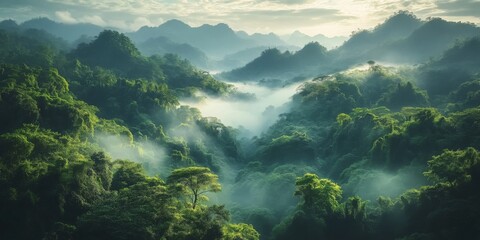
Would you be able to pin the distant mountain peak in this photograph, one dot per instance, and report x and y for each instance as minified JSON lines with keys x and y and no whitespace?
{"x":266,"y":34}
{"x":9,"y":24}
{"x":313,"y":47}
{"x":39,"y":20}
{"x":403,"y":19}
{"x":175,"y":23}
{"x":299,"y":34}
{"x":220,"y":26}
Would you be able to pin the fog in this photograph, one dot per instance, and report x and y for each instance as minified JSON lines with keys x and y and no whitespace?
{"x":152,"y":156}
{"x":255,"y":114}
{"x":369,"y":184}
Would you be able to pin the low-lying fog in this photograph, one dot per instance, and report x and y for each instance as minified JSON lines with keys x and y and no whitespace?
{"x":253,"y":114}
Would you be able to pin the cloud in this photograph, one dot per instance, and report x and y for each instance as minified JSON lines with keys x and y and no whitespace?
{"x":269,"y":103}
{"x":288,"y":2}
{"x":65,"y":16}
{"x":460,"y":8}
{"x":330,"y":17}
{"x":94,"y":19}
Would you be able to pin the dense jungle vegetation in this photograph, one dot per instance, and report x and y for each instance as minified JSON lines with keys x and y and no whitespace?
{"x":94,"y":144}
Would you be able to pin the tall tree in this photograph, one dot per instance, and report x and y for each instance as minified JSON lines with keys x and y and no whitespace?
{"x":319,"y":195}
{"x":195,"y":182}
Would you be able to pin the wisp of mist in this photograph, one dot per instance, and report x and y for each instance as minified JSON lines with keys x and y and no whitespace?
{"x":253,"y":115}
{"x":150,"y":155}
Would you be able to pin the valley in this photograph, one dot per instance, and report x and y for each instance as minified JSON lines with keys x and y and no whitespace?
{"x":205,"y":132}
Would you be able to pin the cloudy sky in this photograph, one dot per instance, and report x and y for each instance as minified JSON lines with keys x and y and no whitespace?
{"x":329,"y":17}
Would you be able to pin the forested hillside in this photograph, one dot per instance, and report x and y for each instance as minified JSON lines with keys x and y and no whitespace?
{"x":64,"y":112}
{"x":99,"y":142}
{"x":401,"y":39}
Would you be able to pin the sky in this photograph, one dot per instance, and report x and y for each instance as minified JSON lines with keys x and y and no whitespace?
{"x":328,"y":17}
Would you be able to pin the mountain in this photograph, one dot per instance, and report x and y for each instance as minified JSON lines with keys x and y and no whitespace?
{"x":99,"y":143}
{"x":273,"y":63}
{"x":396,"y":27}
{"x":243,"y":57}
{"x":69,"y":32}
{"x":163,"y":45}
{"x":174,"y":29}
{"x":215,"y":41}
{"x":270,"y":39}
{"x":457,"y":65}
{"x":429,"y":40}
{"x":117,"y":53}
{"x":298,"y":38}
{"x":402,"y":38}
{"x":112,"y":50}
{"x":8,"y":25}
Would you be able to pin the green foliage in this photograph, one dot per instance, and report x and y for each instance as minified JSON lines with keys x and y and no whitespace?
{"x":467,"y":95}
{"x":111,"y":50}
{"x":40,"y":96}
{"x":127,"y":174}
{"x":194,"y":182}
{"x":288,"y":147}
{"x":343,"y":118}
{"x":355,"y":127}
{"x":31,"y":47}
{"x":33,"y":160}
{"x":180,"y":74}
{"x":301,"y":225}
{"x":454,"y":167}
{"x":239,"y":231}
{"x":355,"y":208}
{"x":273,"y":63}
{"x":201,"y":223}
{"x":140,"y":211}
{"x":457,"y":65}
{"x":319,"y":195}
{"x":404,"y":95}
{"x":327,"y":99}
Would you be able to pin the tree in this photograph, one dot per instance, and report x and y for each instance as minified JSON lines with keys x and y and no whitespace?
{"x":140,"y":211}
{"x":239,"y":231}
{"x":127,"y":174}
{"x":454,"y":167}
{"x":319,"y":195}
{"x":355,"y":208}
{"x":195,"y":182}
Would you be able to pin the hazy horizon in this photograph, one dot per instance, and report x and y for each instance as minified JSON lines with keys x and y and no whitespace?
{"x":330,"y":18}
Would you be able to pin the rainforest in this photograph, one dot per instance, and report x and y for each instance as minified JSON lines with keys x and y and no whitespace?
{"x":180,"y":132}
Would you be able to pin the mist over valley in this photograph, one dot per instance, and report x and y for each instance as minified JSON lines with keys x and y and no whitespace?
{"x":166,"y":127}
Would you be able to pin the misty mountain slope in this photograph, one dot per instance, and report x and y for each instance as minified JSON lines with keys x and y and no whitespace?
{"x":456,"y":66}
{"x":401,"y":39}
{"x":116,"y":52}
{"x":298,"y":38}
{"x":69,"y":32}
{"x":9,"y":25}
{"x":32,"y":46}
{"x":111,"y":50}
{"x":216,"y":41}
{"x":163,"y":45}
{"x":101,"y":142}
{"x":269,"y":39}
{"x":241,"y":58}
{"x":398,"y":26}
{"x":428,"y":41}
{"x":75,"y":152}
{"x":353,"y":51}
{"x":400,"y":130}
{"x":272,"y":63}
